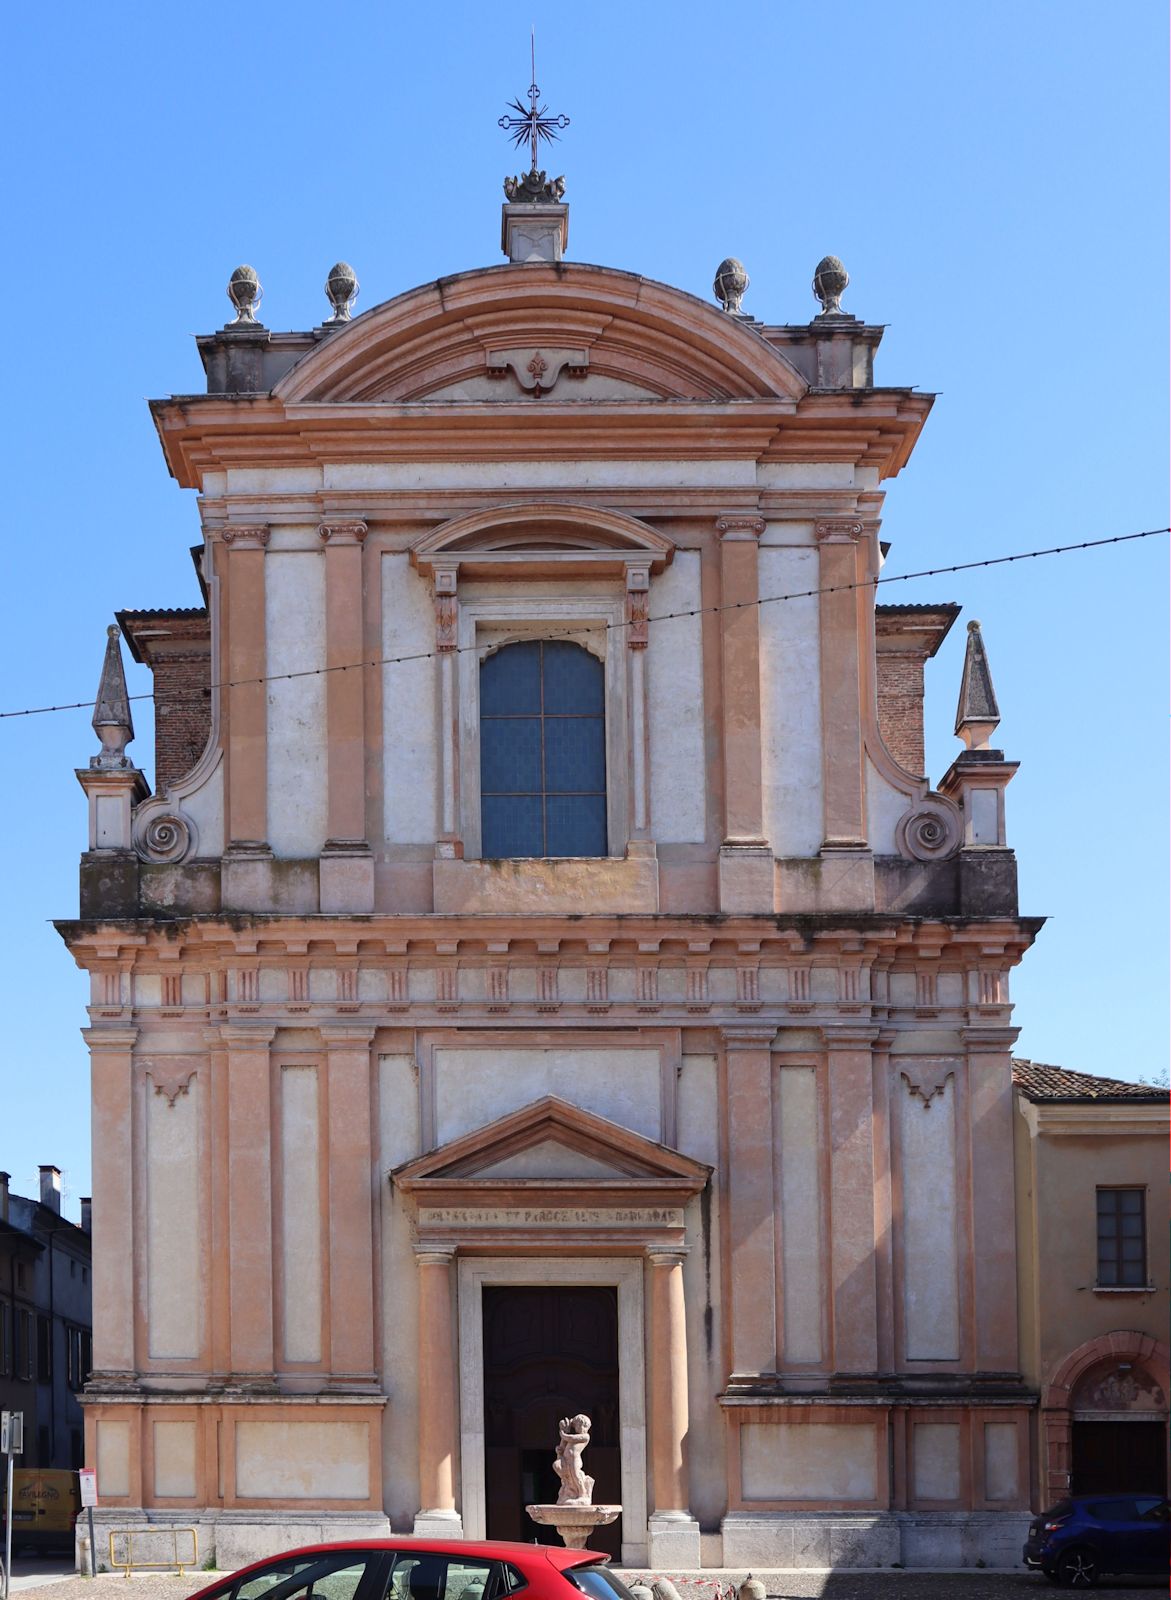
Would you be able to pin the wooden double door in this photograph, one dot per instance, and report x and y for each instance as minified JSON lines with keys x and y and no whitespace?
{"x":1118,"y":1457}
{"x":548,"y":1353}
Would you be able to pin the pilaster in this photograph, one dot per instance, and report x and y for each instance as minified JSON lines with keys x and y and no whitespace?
{"x":112,"y":1066}
{"x":993,"y":1260}
{"x":748,"y":1165}
{"x":840,"y":570}
{"x":347,"y":863}
{"x":351,"y":1208}
{"x":853,"y":1201}
{"x":746,"y":862}
{"x":246,"y":873}
{"x":250,"y":1281}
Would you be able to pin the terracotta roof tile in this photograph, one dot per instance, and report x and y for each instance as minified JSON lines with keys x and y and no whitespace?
{"x":1036,"y":1081}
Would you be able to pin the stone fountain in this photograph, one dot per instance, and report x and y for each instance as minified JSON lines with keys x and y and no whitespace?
{"x":575,"y":1516}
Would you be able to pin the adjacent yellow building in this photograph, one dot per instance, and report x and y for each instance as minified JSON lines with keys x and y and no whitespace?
{"x":1091,"y":1161}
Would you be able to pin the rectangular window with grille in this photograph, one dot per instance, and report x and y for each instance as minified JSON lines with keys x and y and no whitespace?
{"x":1122,"y":1238}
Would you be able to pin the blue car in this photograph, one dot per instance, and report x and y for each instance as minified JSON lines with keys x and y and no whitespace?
{"x":1087,"y":1535}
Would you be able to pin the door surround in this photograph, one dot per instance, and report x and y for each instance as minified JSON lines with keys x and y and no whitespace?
{"x":622,"y":1273}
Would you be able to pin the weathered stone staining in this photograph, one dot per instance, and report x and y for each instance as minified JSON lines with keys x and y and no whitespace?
{"x":717,"y":1040}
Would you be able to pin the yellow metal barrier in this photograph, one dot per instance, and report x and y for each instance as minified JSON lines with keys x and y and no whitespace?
{"x":128,"y":1563}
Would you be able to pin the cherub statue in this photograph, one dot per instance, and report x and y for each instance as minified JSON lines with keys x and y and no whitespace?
{"x":577,"y":1487}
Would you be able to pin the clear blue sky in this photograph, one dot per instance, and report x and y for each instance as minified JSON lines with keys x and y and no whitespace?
{"x":993,"y":177}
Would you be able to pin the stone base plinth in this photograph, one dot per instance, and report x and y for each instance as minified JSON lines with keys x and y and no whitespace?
{"x":922,"y":1539}
{"x":673,"y":1540}
{"x":437,"y":1525}
{"x":232,"y":1539}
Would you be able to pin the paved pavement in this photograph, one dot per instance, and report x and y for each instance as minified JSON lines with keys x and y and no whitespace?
{"x":33,"y":1578}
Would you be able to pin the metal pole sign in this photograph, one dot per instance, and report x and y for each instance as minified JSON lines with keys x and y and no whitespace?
{"x":87,"y":1480}
{"x":11,"y":1444}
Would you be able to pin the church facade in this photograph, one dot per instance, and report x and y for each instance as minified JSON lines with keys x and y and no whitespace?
{"x":542,"y":979}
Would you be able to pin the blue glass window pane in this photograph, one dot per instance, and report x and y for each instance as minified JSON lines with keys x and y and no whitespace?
{"x":510,"y":680}
{"x":510,"y":755}
{"x":575,"y":755}
{"x":511,"y":826}
{"x":575,"y":825}
{"x":542,"y":751}
{"x":574,"y":679}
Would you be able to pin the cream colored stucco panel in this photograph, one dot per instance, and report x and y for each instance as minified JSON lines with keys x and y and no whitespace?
{"x":800,"y":1219}
{"x":270,"y":480}
{"x":398,"y":1101}
{"x":675,"y":705}
{"x":173,"y":1222}
{"x":300,"y":1214}
{"x":410,"y":713}
{"x":302,"y":1460}
{"x":205,"y":807}
{"x":927,"y":1172}
{"x":1001,"y":1461}
{"x":114,"y":1457}
{"x":174,"y":1460}
{"x":936,"y":1450}
{"x":474,"y":1087}
{"x":790,"y":685}
{"x":791,"y":1461}
{"x":805,"y":475}
{"x":294,"y":622}
{"x":539,"y":474}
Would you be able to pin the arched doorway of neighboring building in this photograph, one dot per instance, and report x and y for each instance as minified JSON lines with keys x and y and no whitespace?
{"x":1105,"y":1418}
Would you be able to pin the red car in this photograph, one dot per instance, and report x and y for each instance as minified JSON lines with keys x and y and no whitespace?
{"x":422,"y":1569}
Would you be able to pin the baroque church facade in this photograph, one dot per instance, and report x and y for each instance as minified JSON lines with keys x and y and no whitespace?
{"x":542,"y":979}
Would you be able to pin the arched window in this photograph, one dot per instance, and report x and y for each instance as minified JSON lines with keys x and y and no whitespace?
{"x":542,"y":751}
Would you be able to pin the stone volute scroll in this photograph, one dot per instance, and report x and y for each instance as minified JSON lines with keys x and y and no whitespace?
{"x":574,"y":1516}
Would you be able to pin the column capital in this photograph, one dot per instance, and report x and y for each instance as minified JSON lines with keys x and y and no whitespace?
{"x":431,"y":1255}
{"x":117,"y":1038}
{"x":674,"y":1257}
{"x":246,"y":1035}
{"x":347,"y":1036}
{"x":992,"y":1038}
{"x":740,"y":525}
{"x":349,"y":532}
{"x":748,"y":1038}
{"x":837,"y":530}
{"x":244,"y":535}
{"x":848,"y":1036}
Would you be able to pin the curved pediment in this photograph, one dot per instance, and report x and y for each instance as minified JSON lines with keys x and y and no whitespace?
{"x":554,"y":534}
{"x":534,"y":333}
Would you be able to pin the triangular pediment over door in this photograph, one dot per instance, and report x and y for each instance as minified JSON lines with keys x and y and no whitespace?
{"x":552,"y":1174}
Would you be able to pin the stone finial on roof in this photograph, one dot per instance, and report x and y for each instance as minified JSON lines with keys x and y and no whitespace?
{"x":112,"y":721}
{"x":730,"y":285}
{"x":341,"y":290}
{"x":830,"y":280}
{"x":977,"y":715}
{"x":245,"y":292}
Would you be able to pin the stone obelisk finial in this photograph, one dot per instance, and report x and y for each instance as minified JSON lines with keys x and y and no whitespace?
{"x":112,"y":721}
{"x":977,"y":715}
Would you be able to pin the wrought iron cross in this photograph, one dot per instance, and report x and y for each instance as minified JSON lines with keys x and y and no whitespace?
{"x":533,"y":123}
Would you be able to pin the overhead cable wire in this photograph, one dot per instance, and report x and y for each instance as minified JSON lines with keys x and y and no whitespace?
{"x":607,"y":627}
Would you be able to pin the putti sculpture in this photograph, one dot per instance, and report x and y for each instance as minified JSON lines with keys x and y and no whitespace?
{"x":574,"y":1516}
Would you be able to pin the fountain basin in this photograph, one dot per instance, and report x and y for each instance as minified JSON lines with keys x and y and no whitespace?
{"x":574,"y":1523}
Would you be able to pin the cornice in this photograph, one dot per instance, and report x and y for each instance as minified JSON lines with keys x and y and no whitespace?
{"x":862,"y":427}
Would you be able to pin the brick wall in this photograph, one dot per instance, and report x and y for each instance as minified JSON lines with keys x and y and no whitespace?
{"x":900,"y":707}
{"x":176,"y":646}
